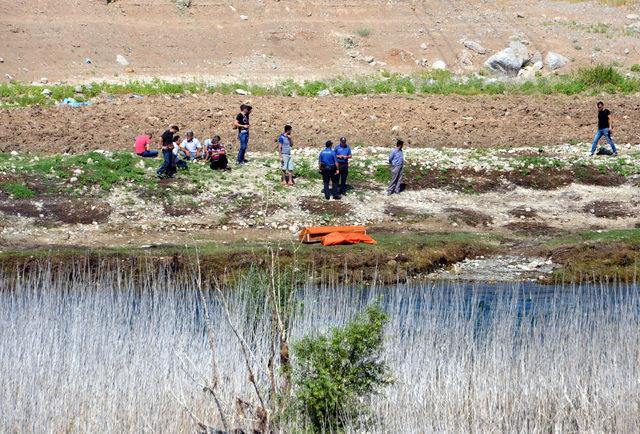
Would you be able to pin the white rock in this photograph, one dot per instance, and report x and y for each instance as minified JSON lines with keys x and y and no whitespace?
{"x":44,"y":80}
{"x":1,"y":60}
{"x":423,"y":46}
{"x":46,"y":92}
{"x":555,"y":61}
{"x":77,"y":89}
{"x":324,"y":92}
{"x":633,"y":17}
{"x":396,"y":128}
{"x":369,"y":59}
{"x":242,"y":92}
{"x":510,"y":60}
{"x":73,"y":179}
{"x":14,"y":153}
{"x":244,"y":17}
{"x":474,"y":46}
{"x":439,"y":65}
{"x":122,"y":60}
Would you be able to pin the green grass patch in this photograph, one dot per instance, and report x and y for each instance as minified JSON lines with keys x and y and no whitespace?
{"x":17,"y":189}
{"x":626,"y":235}
{"x":599,"y":79}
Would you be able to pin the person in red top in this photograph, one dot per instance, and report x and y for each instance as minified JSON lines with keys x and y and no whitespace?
{"x":142,"y":146}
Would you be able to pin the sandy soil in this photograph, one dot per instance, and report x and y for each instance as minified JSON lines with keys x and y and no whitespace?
{"x":425,"y":121}
{"x":291,"y":39}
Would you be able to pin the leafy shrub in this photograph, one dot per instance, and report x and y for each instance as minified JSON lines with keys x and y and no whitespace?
{"x":335,"y":373}
{"x":363,"y":32}
{"x":635,"y":67}
{"x":600,"y":75}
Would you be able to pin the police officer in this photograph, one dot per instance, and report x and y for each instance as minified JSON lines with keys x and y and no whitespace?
{"x":329,"y":170}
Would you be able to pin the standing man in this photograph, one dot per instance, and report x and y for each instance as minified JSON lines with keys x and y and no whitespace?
{"x":343,"y":155}
{"x":605,"y":128}
{"x":191,"y":147}
{"x":166,"y":142}
{"x":242,"y":124}
{"x":285,"y":142}
{"x":329,"y":170}
{"x":396,"y":160}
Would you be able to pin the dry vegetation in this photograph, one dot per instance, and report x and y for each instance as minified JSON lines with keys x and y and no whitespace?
{"x":103,"y":349}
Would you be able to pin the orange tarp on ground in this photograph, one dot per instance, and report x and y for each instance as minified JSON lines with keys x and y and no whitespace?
{"x":316,"y":234}
{"x":336,"y":238}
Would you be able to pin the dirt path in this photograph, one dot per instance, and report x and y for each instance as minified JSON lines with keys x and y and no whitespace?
{"x":372,"y":120}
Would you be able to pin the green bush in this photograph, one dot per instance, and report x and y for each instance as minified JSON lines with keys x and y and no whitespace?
{"x":335,"y":374}
{"x":600,"y":75}
{"x":635,"y":67}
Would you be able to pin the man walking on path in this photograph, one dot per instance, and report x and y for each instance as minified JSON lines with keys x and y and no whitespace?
{"x":242,"y":124}
{"x":343,"y":155}
{"x":285,"y":142}
{"x":166,"y":140}
{"x":396,"y":160}
{"x":605,"y":128}
{"x":329,"y":170}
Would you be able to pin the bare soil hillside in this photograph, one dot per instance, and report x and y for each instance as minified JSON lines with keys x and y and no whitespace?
{"x":483,"y":121}
{"x":262,"y":41}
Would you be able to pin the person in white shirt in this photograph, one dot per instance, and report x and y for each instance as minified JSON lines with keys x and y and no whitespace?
{"x":191,"y":149}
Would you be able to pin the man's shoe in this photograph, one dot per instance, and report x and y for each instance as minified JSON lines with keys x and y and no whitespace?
{"x":326,"y":196}
{"x":615,"y":154}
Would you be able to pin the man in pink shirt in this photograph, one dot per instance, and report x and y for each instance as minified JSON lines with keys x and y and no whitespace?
{"x":142,"y":146}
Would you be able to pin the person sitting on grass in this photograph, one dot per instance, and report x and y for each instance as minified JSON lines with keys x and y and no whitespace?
{"x":167,"y":169}
{"x":216,"y":154}
{"x":285,"y":143}
{"x":142,"y":146}
{"x":191,"y":149}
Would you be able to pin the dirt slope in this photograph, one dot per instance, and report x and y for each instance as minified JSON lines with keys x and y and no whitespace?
{"x":425,"y":121}
{"x":291,"y":38}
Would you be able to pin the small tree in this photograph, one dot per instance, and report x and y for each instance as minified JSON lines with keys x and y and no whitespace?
{"x":334,"y":373}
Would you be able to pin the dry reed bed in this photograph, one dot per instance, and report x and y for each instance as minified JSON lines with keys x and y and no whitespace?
{"x":100,"y":352}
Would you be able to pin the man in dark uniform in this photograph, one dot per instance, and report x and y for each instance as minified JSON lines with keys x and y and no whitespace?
{"x":343,"y":155}
{"x":329,"y":170}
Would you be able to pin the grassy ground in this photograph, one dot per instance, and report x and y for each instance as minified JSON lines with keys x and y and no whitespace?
{"x":592,"y":81}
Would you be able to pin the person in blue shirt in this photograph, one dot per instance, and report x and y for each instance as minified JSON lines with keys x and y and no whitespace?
{"x":343,"y":155}
{"x":396,"y":160}
{"x":329,"y":170}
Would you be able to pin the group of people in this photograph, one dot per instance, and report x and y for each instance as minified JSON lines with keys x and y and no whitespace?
{"x":177,"y":153}
{"x":333,"y":162}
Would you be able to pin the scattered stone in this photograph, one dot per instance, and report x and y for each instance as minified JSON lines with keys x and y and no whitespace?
{"x":528,"y":73}
{"x":465,"y":59}
{"x":423,"y":46}
{"x":1,"y":60}
{"x":244,"y":17}
{"x":183,"y":4}
{"x":242,"y":92}
{"x":47,"y":92}
{"x":324,"y":92}
{"x":88,"y":61}
{"x":122,"y":60}
{"x":44,"y":80}
{"x":439,"y":65}
{"x":634,"y":27}
{"x":633,"y":17}
{"x":626,"y":51}
{"x":510,"y":60}
{"x":474,"y":46}
{"x":9,"y":77}
{"x":396,"y":128}
{"x":555,"y":61}
{"x":369,"y":59}
{"x":77,"y":89}
{"x":129,"y":70}
{"x":14,"y":153}
{"x":519,"y":15}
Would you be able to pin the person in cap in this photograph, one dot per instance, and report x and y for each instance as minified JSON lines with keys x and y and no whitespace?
{"x":241,"y":123}
{"x":343,"y":155}
{"x":396,"y":160}
{"x":329,"y":171}
{"x":285,"y":143}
